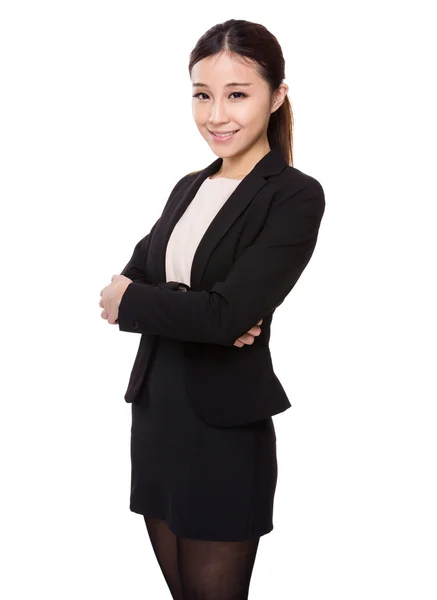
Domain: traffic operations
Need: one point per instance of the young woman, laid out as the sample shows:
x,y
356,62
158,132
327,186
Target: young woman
x,y
235,237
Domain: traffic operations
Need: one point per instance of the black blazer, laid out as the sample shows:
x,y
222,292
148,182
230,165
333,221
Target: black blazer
x,y
250,257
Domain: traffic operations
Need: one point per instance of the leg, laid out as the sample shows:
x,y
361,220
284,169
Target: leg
x,y
215,570
164,545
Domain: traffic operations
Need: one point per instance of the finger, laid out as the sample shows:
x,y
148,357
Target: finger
x,y
259,322
255,330
247,339
238,343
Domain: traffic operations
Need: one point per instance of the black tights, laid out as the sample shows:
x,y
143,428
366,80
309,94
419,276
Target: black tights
x,y
199,569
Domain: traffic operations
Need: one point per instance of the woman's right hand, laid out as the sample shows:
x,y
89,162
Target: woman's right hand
x,y
249,337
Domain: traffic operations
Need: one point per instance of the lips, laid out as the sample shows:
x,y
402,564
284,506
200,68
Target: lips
x,y
222,132
222,136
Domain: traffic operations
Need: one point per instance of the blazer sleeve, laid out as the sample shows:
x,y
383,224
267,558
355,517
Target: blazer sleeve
x,y
135,269
258,282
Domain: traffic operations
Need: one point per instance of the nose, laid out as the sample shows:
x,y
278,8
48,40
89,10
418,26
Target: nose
x,y
218,114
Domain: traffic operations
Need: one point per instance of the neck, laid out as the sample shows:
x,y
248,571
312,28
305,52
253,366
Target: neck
x,y
239,165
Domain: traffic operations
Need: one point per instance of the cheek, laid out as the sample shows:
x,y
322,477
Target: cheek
x,y
199,112
248,115
252,114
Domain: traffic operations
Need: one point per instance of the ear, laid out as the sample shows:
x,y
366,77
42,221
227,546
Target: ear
x,y
279,96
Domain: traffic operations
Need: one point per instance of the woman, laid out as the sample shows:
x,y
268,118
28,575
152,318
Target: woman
x,y
204,481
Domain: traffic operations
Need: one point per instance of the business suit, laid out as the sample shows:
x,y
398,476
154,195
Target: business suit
x,y
249,259
203,443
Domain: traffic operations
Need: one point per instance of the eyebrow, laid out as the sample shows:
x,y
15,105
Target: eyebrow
x,y
232,84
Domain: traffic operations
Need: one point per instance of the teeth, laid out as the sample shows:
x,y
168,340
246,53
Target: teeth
x,y
224,134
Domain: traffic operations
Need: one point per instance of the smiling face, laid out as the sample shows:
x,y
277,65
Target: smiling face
x,y
220,105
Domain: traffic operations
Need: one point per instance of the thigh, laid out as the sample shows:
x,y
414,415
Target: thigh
x,y
215,570
164,544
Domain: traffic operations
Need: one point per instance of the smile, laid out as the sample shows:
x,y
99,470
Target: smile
x,y
223,136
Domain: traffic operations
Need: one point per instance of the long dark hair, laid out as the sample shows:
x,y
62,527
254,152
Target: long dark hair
x,y
256,43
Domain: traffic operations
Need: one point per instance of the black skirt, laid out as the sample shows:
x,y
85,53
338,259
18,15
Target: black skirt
x,y
206,482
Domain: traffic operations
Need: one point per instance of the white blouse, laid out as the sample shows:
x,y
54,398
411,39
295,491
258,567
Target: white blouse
x,y
193,224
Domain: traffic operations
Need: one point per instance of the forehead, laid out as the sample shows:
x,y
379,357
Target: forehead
x,y
220,69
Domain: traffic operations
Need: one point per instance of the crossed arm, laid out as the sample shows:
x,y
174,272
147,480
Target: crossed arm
x,y
135,270
257,283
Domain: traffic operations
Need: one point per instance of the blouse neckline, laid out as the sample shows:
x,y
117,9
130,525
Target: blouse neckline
x,y
225,178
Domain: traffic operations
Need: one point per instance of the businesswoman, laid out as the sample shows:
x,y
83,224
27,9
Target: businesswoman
x,y
201,289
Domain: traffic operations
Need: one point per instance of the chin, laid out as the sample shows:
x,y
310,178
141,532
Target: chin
x,y
222,151
218,147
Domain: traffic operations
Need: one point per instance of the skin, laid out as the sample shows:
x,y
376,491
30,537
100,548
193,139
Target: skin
x,y
219,108
247,108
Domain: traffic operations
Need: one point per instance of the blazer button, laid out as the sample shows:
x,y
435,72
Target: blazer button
x,y
182,287
134,324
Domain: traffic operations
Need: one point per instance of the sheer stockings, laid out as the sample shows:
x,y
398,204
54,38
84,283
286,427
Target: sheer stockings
x,y
201,569
164,544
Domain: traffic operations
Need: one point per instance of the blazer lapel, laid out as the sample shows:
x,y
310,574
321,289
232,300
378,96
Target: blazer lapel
x,y
271,164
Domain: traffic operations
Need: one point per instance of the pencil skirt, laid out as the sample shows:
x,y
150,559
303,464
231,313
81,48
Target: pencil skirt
x,y
206,482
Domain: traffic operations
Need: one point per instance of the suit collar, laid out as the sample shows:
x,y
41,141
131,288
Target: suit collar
x,y
270,164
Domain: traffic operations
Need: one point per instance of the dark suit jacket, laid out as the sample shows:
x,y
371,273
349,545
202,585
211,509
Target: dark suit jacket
x,y
251,256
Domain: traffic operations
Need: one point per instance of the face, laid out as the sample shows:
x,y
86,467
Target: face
x,y
220,107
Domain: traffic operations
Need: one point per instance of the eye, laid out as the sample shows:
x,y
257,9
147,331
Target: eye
x,y
203,94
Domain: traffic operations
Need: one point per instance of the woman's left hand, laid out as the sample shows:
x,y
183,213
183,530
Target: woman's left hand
x,y
111,296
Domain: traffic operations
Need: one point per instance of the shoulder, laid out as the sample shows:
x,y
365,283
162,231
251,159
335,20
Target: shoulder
x,y
186,179
297,191
294,180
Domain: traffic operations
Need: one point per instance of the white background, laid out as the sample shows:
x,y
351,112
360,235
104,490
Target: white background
x,y
96,128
